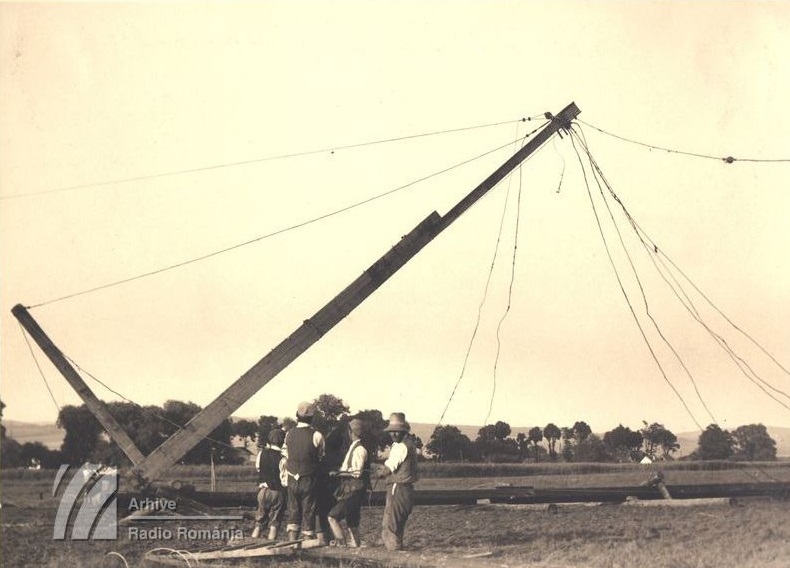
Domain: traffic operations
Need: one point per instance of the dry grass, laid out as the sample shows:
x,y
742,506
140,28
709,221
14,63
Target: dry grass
x,y
755,534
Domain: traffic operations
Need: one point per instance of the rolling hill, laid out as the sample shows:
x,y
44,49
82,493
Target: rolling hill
x,y
45,432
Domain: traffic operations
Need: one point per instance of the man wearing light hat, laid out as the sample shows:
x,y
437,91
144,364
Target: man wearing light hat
x,y
400,471
354,474
304,448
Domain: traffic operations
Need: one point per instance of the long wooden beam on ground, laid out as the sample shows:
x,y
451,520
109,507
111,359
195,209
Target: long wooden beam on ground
x,y
532,495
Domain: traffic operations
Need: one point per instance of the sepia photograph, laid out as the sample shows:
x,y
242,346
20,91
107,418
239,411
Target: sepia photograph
x,y
387,284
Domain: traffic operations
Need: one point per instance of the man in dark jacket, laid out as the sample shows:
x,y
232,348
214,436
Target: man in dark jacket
x,y
304,448
270,464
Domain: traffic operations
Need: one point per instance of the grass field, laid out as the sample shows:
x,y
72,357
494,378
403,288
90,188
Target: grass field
x,y
755,533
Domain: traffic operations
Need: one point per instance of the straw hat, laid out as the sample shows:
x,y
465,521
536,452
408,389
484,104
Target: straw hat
x,y
398,423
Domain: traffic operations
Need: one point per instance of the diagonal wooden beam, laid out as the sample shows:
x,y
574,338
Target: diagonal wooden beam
x,y
339,307
96,406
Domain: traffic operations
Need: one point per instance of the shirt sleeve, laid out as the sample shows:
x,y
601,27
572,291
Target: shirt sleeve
x,y
283,473
320,443
258,461
358,459
398,454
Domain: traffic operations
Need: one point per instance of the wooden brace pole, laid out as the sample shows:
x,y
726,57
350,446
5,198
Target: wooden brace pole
x,y
96,406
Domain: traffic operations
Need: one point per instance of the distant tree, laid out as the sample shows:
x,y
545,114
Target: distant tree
x,y
485,435
217,444
33,453
623,443
568,442
552,433
108,452
10,453
655,436
145,425
329,409
753,443
591,449
247,430
10,449
501,430
374,438
449,444
82,433
496,451
581,430
287,423
265,425
535,435
522,443
494,445
498,431
715,444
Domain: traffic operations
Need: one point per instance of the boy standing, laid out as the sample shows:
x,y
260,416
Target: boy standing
x,y
304,448
270,464
354,477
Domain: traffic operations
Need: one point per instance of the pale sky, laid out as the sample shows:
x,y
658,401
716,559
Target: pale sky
x,y
95,93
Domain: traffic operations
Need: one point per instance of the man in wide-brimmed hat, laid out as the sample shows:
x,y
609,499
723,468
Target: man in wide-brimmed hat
x,y
354,474
400,471
304,448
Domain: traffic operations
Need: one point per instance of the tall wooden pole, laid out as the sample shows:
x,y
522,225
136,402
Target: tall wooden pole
x,y
96,406
339,307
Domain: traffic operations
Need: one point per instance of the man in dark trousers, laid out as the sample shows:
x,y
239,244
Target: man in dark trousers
x,y
354,475
270,464
400,472
304,448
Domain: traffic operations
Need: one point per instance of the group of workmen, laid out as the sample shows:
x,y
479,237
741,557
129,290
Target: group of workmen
x,y
295,481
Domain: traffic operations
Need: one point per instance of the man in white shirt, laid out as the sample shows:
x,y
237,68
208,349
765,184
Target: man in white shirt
x,y
400,471
354,474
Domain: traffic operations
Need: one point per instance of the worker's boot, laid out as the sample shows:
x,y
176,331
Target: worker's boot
x,y
272,533
293,535
256,532
353,538
337,531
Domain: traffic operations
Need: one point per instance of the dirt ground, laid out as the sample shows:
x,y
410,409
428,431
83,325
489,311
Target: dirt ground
x,y
753,533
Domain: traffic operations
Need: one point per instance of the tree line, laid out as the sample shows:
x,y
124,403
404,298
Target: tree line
x,y
331,415
577,443
149,426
